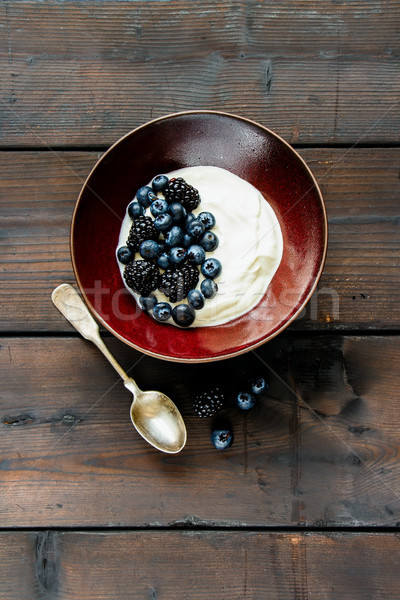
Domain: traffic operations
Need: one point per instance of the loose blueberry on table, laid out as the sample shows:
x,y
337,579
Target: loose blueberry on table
x,y
258,385
222,438
245,400
172,244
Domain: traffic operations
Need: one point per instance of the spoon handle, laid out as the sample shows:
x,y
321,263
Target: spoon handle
x,y
71,305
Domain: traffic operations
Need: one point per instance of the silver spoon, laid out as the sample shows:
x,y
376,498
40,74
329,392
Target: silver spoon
x,y
154,415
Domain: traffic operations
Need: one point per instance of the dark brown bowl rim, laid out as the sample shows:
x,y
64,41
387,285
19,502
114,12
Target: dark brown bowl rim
x,y
259,342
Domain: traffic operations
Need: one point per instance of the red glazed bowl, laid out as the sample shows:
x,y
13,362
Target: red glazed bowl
x,y
190,139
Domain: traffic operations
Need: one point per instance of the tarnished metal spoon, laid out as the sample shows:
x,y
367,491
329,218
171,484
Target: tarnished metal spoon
x,y
153,414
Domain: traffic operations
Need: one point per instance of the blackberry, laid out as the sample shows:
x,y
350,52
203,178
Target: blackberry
x,y
142,277
176,283
142,229
209,401
179,191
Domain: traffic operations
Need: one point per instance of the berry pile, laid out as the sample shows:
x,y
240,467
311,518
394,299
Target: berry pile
x,y
172,243
209,401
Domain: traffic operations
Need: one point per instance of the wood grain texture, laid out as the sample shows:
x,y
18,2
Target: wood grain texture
x,y
202,565
17,572
359,286
322,449
78,73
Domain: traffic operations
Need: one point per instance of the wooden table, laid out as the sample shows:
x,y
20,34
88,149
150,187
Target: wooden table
x,y
305,504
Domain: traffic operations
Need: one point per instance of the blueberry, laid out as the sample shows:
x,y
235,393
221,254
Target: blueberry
x,y
147,302
125,255
207,219
195,299
195,228
135,210
245,400
209,241
163,222
222,438
149,249
174,237
187,240
209,288
161,246
196,255
190,217
159,183
162,311
177,212
177,255
258,385
211,268
183,315
142,196
158,207
163,261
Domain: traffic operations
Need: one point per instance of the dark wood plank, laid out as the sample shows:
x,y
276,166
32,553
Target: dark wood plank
x,y
200,565
326,455
38,193
17,572
77,73
359,286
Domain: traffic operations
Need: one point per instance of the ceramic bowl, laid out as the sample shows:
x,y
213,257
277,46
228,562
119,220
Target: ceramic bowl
x,y
243,147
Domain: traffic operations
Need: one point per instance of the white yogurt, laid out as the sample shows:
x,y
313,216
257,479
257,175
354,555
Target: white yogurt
x,y
250,243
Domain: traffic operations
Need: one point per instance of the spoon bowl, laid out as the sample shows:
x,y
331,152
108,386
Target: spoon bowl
x,y
156,418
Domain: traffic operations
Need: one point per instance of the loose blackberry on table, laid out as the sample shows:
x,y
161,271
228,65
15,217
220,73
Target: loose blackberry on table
x,y
208,402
